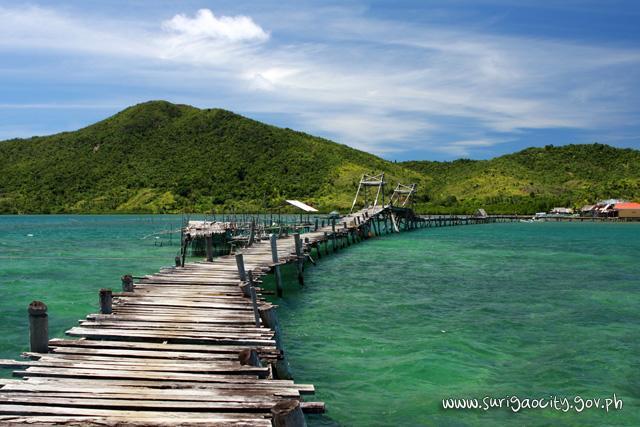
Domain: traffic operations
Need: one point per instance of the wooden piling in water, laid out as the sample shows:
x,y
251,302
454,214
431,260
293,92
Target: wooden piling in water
x,y
252,233
254,298
240,265
276,263
288,413
127,283
300,258
106,301
38,327
209,247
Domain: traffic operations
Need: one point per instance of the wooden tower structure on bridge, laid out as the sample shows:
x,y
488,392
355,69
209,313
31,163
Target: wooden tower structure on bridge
x,y
374,181
403,195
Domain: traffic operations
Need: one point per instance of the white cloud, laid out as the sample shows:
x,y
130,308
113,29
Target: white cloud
x,y
369,130
206,25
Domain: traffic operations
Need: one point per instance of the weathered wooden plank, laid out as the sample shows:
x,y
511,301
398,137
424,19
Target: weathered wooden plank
x,y
139,415
250,330
135,404
206,348
209,393
147,354
120,420
132,374
211,368
172,336
270,384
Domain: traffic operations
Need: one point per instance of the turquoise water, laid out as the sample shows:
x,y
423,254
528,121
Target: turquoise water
x,y
385,330
64,260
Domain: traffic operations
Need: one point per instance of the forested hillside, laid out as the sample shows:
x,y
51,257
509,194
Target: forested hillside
x,y
161,157
532,180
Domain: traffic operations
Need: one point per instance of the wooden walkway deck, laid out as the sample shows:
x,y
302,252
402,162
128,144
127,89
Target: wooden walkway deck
x,y
197,344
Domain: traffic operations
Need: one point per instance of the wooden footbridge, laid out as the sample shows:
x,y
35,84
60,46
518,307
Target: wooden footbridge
x,y
194,344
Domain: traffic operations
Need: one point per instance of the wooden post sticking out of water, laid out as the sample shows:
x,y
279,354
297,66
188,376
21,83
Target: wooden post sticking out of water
x,y
241,270
269,318
254,298
208,239
106,301
288,413
252,233
316,225
300,260
178,261
276,261
127,283
38,327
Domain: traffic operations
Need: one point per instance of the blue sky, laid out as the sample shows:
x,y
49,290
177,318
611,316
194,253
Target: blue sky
x,y
402,79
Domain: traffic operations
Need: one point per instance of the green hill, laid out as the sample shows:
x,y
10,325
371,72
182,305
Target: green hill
x,y
161,157
532,180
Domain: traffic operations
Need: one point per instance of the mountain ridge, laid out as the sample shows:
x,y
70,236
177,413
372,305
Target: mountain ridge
x,y
160,157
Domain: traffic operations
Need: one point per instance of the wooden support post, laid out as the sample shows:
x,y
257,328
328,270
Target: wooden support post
x,y
316,225
276,261
178,261
269,318
252,233
38,327
281,369
240,264
106,301
393,222
127,283
254,298
184,248
300,256
249,357
288,413
209,246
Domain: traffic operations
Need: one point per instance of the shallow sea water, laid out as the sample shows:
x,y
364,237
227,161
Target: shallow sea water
x,y
386,329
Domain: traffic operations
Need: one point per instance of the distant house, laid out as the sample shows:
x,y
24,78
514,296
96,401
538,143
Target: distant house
x,y
589,210
627,210
561,211
480,213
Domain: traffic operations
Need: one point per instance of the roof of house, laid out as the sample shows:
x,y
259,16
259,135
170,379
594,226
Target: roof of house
x,y
298,204
627,205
